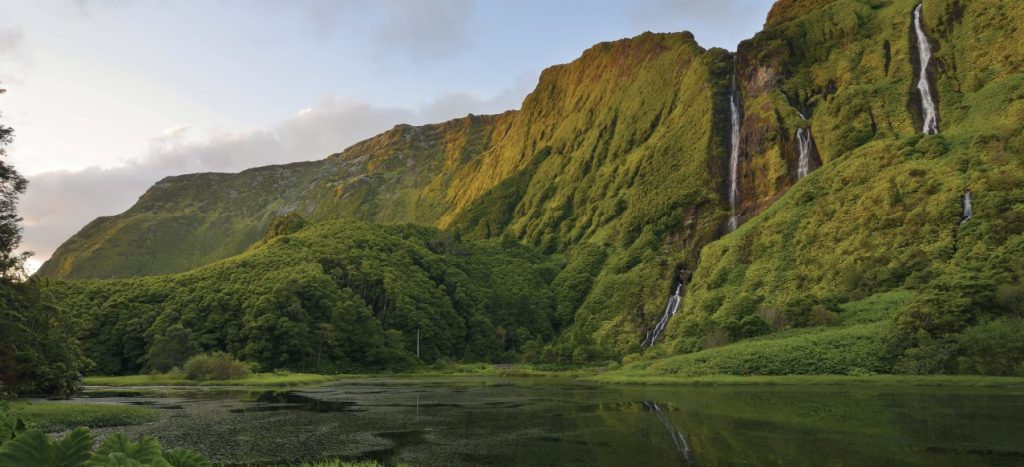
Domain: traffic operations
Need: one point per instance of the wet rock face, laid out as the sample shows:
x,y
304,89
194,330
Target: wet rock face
x,y
763,80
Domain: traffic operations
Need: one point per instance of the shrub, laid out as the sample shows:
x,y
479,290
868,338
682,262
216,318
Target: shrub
x,y
171,349
215,366
776,319
821,316
927,355
1011,298
993,348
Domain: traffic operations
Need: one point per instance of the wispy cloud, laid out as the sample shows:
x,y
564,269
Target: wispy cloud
x,y
61,202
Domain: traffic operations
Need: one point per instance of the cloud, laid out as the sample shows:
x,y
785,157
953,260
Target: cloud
x,y
11,40
426,30
12,43
60,203
418,30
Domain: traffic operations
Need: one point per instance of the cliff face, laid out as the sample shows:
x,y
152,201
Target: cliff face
x,y
188,221
884,210
619,139
617,165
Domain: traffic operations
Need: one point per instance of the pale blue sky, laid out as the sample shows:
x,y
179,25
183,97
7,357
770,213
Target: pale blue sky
x,y
108,96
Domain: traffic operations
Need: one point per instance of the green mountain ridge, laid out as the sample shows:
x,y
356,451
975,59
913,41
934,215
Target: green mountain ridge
x,y
614,174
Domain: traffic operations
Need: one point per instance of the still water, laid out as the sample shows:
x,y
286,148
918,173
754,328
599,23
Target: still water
x,y
540,421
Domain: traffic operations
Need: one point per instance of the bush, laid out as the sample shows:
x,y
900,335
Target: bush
x,y
215,366
171,349
1011,298
993,348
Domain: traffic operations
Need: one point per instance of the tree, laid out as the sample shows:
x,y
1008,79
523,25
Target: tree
x,y
37,352
172,349
12,185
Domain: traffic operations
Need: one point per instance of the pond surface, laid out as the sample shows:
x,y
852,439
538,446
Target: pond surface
x,y
541,421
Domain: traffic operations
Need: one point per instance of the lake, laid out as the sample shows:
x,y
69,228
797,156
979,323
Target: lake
x,y
551,421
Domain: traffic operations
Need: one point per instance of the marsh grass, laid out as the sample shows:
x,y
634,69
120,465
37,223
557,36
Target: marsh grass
x,y
61,416
256,379
814,380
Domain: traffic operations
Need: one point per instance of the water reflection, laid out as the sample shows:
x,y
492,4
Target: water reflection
x,y
677,437
560,422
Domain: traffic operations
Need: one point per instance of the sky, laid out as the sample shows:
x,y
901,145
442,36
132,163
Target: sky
x,y
109,96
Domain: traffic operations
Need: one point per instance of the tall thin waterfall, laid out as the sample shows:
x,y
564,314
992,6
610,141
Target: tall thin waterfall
x,y
677,437
924,53
670,311
968,206
803,140
734,154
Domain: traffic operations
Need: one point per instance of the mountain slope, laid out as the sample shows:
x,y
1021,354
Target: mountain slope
x,y
617,168
886,209
628,123
191,220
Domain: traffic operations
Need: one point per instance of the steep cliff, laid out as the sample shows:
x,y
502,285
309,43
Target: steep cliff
x,y
849,219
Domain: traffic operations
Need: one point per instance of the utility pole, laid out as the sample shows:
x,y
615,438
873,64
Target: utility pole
x,y
417,344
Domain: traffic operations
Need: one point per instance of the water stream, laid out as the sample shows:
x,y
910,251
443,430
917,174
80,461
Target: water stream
x,y
803,140
924,53
670,311
968,203
734,154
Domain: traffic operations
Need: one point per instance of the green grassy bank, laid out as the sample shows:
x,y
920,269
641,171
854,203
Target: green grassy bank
x,y
61,416
258,379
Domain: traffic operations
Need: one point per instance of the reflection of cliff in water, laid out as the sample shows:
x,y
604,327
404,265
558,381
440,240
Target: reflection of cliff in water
x,y
677,437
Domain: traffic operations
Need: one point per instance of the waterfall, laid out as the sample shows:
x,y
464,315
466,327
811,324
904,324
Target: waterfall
x,y
924,53
670,311
734,154
803,140
968,206
677,437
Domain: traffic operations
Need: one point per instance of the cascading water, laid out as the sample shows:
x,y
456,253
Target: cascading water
x,y
968,206
677,437
803,140
670,311
924,54
734,154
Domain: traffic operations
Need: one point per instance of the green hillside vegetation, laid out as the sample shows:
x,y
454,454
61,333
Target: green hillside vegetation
x,y
336,296
885,214
556,233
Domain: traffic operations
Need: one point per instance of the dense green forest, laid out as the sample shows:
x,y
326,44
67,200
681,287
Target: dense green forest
x,y
556,233
342,296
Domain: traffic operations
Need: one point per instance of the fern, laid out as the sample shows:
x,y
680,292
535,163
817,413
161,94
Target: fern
x,y
20,447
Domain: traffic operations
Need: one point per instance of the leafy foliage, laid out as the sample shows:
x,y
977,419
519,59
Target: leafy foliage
x,y
19,447
37,352
215,365
334,296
